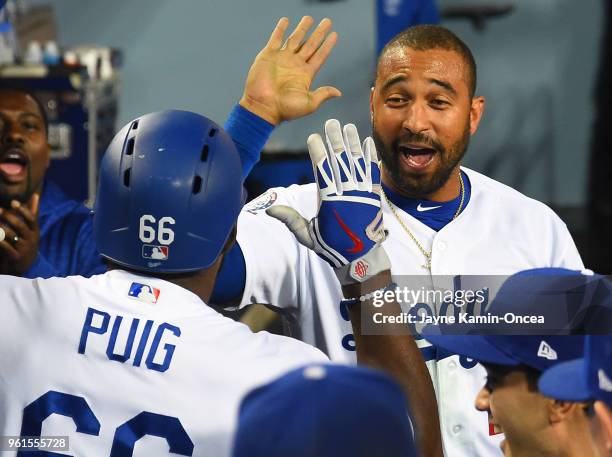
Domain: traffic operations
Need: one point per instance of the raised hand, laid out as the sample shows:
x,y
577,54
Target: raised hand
x,y
348,228
19,236
278,86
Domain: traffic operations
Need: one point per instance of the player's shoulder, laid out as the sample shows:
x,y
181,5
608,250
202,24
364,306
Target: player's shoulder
x,y
507,199
302,197
40,293
234,337
289,348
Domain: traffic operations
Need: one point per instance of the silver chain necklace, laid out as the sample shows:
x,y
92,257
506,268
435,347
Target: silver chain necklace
x,y
426,253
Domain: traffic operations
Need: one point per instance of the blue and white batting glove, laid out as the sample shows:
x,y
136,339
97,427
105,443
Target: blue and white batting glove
x,y
348,228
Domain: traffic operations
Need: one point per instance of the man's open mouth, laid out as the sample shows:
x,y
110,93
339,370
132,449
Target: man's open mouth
x,y
417,157
494,427
13,165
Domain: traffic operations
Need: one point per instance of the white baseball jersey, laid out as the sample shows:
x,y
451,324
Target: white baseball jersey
x,y
499,232
129,365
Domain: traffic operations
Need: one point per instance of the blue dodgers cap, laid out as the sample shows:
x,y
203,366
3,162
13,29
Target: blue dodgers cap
x,y
570,301
588,378
537,352
325,411
542,301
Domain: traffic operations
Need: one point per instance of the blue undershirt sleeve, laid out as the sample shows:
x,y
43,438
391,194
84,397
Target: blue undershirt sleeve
x,y
41,268
231,279
90,261
250,134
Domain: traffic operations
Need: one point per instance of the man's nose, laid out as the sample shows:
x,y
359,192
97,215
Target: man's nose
x,y
12,134
417,119
482,400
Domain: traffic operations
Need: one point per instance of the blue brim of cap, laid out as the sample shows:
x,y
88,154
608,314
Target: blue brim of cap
x,y
566,381
475,347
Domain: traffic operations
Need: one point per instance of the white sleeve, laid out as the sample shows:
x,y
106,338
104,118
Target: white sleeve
x,y
565,254
22,311
275,261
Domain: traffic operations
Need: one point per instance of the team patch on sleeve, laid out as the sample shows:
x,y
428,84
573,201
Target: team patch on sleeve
x,y
144,292
264,201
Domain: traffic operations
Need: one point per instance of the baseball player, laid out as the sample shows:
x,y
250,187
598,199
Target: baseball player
x,y
569,302
442,218
532,423
312,412
133,358
588,379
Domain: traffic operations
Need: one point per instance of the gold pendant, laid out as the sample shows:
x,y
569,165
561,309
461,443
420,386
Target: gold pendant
x,y
427,265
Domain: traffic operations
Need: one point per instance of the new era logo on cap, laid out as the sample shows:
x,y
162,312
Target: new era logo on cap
x,y
605,383
546,351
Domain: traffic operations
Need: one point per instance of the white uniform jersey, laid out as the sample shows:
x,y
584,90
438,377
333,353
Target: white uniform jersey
x,y
129,365
499,232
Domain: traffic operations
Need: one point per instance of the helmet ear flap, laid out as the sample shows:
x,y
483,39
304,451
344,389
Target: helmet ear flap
x,y
169,194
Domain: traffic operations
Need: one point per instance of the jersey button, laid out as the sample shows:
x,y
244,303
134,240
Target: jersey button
x,y
452,365
457,429
441,245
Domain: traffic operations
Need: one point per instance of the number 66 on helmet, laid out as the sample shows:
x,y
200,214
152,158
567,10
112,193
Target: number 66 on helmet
x,y
169,193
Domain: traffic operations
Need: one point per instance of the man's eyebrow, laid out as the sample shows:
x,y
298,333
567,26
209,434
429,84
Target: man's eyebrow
x,y
392,81
443,84
438,82
30,114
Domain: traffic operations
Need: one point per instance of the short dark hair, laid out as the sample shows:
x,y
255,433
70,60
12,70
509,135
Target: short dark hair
x,y
29,93
426,37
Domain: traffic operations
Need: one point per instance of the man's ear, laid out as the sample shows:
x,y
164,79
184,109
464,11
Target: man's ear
x,y
231,239
372,103
559,410
476,111
47,152
604,415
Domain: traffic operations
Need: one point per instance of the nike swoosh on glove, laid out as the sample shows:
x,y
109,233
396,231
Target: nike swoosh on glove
x,y
348,228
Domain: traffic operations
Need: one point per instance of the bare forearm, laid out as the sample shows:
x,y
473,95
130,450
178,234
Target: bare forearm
x,y
394,351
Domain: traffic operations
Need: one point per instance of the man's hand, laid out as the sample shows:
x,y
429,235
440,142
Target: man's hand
x,y
348,228
19,246
278,84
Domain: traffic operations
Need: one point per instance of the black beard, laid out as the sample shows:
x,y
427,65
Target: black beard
x,y
5,200
418,185
23,197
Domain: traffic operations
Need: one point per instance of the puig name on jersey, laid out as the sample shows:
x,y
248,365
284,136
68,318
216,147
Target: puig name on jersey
x,y
156,358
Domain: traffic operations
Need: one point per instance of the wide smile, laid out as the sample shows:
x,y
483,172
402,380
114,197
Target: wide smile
x,y
417,158
13,166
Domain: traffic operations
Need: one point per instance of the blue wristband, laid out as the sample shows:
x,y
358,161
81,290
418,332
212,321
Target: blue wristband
x,y
250,134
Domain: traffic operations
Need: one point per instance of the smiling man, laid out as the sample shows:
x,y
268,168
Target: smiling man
x,y
423,113
443,220
588,379
534,425
43,232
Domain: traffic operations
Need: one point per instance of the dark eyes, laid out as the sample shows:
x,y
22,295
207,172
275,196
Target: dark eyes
x,y
493,382
396,100
30,125
436,103
439,103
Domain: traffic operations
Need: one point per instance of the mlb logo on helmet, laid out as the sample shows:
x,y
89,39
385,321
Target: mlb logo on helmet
x,y
144,292
150,251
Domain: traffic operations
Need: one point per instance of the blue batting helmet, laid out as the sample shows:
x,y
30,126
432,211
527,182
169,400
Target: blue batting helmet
x,y
169,194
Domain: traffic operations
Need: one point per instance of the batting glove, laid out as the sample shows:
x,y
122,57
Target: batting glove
x,y
348,228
